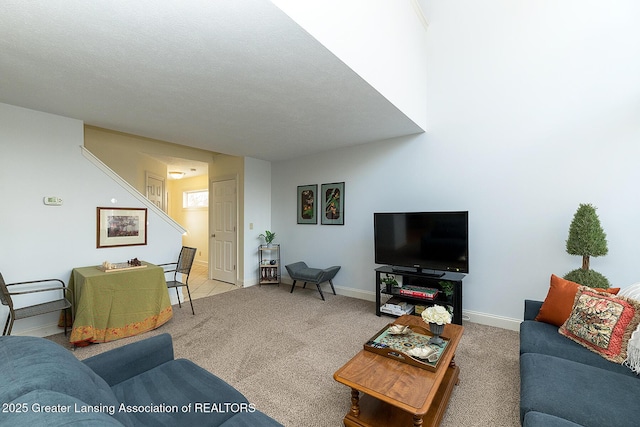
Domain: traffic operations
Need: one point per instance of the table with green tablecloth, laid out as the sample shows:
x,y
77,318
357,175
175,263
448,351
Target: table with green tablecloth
x,y
111,305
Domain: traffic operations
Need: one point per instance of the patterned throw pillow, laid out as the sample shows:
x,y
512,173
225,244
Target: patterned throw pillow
x,y
602,323
557,306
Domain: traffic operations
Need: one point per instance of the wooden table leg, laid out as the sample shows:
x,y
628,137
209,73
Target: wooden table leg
x,y
453,365
417,421
355,402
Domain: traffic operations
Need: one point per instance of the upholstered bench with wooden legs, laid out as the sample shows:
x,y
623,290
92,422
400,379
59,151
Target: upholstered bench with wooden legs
x,y
300,271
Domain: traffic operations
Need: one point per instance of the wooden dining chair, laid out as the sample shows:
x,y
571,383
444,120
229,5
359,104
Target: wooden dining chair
x,y
33,287
183,266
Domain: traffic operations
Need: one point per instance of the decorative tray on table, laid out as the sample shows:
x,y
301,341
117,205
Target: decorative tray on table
x,y
109,267
408,344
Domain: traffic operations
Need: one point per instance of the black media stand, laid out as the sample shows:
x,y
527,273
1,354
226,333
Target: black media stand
x,y
422,279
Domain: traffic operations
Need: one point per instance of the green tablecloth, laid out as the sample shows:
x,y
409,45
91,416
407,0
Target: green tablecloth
x,y
114,305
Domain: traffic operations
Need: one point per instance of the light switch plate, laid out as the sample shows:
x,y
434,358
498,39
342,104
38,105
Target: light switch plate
x,y
52,201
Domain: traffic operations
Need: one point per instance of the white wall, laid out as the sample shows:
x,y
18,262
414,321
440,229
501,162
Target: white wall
x,y
533,109
257,214
383,41
41,156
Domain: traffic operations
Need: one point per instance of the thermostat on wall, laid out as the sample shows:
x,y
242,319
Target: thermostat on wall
x,y
52,201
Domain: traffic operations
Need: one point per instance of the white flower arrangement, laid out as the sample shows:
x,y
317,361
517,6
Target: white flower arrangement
x,y
436,314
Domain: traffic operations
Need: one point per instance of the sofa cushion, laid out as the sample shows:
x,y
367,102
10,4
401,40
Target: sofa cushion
x,y
602,323
51,409
543,338
174,385
579,393
30,363
132,359
531,309
557,306
538,419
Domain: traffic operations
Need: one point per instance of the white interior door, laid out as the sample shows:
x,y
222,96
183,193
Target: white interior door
x,y
155,190
224,234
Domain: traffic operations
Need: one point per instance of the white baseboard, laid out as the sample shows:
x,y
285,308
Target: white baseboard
x,y
355,293
347,292
247,283
491,320
42,331
467,315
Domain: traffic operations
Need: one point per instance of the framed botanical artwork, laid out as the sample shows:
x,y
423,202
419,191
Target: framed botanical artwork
x,y
332,203
307,199
121,227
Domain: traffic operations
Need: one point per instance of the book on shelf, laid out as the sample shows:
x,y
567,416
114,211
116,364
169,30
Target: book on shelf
x,y
396,303
419,292
397,307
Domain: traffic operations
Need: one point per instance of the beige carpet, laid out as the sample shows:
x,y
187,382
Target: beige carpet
x,y
281,350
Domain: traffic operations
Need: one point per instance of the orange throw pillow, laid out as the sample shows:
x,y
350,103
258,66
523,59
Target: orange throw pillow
x,y
557,306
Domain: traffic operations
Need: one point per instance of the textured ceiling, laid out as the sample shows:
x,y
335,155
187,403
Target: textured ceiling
x,y
237,77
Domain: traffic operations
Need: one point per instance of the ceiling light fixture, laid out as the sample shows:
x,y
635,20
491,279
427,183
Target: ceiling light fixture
x,y
176,174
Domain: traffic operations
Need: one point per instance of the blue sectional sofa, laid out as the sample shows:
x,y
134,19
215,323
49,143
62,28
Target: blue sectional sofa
x,y
139,384
563,384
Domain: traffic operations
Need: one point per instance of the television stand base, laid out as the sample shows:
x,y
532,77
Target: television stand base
x,y
433,274
448,284
401,270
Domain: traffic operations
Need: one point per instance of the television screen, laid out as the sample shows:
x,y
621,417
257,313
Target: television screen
x,y
423,240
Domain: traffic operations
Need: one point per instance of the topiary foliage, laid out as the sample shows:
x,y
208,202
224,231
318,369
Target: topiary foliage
x,y
588,278
587,238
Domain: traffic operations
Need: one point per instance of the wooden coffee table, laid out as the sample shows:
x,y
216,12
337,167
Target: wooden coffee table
x,y
396,393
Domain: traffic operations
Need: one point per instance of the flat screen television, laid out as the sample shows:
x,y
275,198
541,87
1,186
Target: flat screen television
x,y
436,241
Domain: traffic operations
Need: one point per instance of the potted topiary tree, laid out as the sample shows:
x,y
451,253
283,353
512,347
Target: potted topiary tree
x,y
587,238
